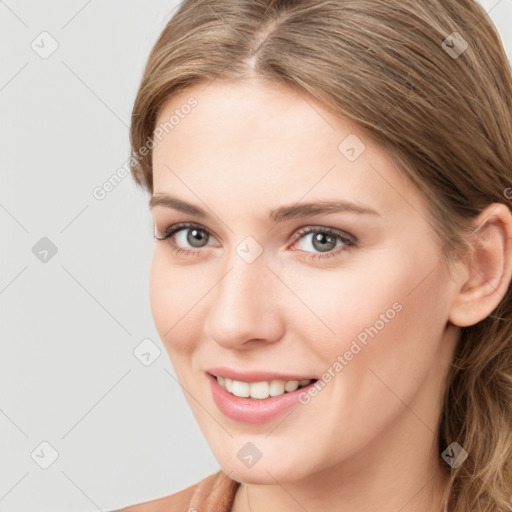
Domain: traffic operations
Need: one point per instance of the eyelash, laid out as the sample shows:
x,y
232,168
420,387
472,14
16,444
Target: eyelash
x,y
348,241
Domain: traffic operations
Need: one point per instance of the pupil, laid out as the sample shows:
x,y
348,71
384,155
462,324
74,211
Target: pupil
x,y
194,237
324,238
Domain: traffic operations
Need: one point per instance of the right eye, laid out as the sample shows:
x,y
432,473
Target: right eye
x,y
185,233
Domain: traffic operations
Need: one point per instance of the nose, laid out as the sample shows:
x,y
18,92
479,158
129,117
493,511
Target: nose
x,y
245,305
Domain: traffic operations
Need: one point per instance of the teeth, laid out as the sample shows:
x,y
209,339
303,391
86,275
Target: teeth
x,y
240,389
260,390
276,387
291,385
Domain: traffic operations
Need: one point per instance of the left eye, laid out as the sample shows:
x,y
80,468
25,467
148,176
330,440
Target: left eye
x,y
322,239
325,240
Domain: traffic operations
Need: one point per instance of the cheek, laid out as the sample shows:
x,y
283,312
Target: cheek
x,y
385,361
171,299
386,317
179,302
396,329
351,302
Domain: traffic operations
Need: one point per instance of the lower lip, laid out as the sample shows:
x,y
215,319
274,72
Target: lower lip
x,y
253,410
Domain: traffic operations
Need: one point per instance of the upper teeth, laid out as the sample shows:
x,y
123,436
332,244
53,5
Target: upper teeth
x,y
260,390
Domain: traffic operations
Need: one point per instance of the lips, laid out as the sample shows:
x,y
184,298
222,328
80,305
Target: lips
x,y
250,410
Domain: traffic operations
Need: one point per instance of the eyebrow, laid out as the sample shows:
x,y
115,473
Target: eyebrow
x,y
280,214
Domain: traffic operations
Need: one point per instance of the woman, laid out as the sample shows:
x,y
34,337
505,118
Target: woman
x,y
374,373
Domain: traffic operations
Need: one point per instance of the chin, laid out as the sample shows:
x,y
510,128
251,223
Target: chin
x,y
268,469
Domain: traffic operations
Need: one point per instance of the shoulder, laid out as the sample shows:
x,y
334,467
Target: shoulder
x,y
215,493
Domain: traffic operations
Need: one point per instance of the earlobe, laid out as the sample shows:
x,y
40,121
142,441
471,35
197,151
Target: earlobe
x,y
488,270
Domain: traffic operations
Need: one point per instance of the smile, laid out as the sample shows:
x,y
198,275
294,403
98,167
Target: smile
x,y
260,390
263,406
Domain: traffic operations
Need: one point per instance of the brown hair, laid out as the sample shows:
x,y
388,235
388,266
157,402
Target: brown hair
x,y
394,68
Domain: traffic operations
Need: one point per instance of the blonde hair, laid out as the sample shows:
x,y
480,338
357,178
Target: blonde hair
x,y
394,68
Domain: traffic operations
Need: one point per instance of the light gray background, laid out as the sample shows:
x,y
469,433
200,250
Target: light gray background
x,y
123,431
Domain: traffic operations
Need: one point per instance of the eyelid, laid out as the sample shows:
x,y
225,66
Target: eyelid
x,y
180,226
325,229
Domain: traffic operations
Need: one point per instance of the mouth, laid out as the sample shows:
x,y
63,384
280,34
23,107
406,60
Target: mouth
x,y
261,401
261,390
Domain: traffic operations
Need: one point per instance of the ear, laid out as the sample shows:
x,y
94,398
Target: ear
x,y
487,270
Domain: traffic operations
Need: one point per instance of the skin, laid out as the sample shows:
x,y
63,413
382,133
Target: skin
x,y
367,441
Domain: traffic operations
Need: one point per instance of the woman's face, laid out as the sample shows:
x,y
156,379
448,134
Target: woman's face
x,y
360,302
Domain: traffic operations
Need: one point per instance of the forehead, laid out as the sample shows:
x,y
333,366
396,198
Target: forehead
x,y
258,139
248,111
